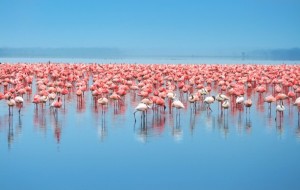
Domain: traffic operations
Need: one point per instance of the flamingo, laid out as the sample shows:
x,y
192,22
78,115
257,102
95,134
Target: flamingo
x,y
209,100
178,105
19,102
297,102
79,94
142,107
279,108
225,104
160,102
56,104
269,99
36,100
248,104
147,101
103,102
203,92
281,97
193,98
51,97
221,98
116,98
171,96
11,103
239,100
43,100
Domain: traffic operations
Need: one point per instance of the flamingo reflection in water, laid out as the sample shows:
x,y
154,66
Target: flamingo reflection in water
x,y
57,131
102,131
10,135
103,101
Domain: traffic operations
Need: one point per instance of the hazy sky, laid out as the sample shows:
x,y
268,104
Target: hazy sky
x,y
162,24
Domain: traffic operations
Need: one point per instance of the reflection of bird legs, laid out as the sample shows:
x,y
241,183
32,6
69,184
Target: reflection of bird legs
x,y
208,107
192,122
177,116
10,136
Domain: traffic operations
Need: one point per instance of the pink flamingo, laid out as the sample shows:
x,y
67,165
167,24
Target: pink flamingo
x,y
56,104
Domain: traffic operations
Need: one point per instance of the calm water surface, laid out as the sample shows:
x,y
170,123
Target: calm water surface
x,y
86,149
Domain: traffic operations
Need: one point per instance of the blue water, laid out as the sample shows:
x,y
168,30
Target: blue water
x,y
85,149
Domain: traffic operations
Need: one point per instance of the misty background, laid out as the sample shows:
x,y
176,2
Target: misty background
x,y
116,53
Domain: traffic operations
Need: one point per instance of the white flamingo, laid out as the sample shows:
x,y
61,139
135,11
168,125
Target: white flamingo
x,y
11,103
142,107
19,102
209,100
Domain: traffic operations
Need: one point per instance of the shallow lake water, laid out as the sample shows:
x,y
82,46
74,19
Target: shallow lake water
x,y
85,147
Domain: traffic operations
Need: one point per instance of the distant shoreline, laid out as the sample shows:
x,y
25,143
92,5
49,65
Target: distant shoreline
x,y
292,54
147,60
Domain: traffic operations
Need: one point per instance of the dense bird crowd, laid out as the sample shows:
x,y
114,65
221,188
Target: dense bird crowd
x,y
159,85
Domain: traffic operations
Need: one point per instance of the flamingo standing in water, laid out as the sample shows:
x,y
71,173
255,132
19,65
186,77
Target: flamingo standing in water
x,y
248,104
178,105
281,97
56,104
79,94
142,107
239,100
225,104
279,108
193,98
209,100
11,103
171,97
103,102
270,99
19,102
51,97
221,98
36,100
297,102
203,92
64,92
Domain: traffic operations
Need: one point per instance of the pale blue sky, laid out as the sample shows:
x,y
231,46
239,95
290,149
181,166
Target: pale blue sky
x,y
151,24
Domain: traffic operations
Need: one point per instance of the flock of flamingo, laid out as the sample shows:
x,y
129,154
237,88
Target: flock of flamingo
x,y
159,86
